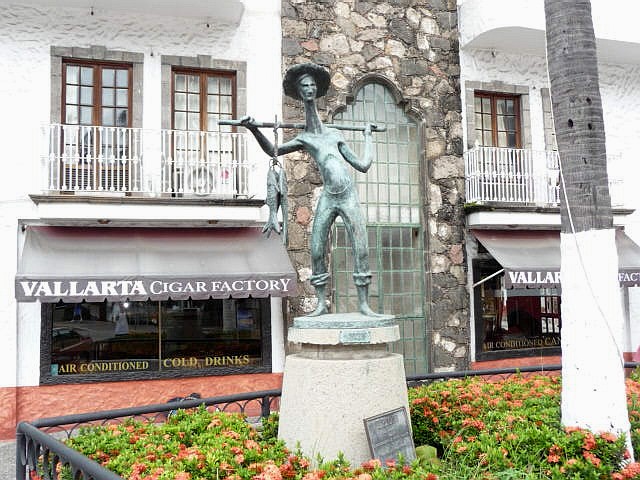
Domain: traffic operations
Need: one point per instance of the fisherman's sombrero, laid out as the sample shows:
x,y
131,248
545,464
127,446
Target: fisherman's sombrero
x,y
319,74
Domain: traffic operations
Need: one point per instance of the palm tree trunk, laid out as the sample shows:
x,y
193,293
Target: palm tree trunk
x,y
593,394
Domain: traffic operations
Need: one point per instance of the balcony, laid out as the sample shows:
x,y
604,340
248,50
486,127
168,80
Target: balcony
x,y
114,161
518,26
523,177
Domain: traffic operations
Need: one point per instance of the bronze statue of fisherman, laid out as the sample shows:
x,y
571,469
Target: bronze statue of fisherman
x,y
327,146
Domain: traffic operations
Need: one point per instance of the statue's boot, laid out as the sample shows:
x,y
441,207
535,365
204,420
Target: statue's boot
x,y
321,309
363,301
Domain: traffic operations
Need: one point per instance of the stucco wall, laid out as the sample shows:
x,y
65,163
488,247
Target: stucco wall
x,y
620,91
27,34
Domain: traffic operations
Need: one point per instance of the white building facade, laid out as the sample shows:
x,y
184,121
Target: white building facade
x,y
128,213
513,174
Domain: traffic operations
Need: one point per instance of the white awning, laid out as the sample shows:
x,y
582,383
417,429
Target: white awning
x,y
94,264
531,258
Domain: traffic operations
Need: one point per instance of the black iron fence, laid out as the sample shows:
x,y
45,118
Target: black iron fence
x,y
40,448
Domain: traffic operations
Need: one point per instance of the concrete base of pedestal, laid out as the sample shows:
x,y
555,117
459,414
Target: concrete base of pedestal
x,y
328,391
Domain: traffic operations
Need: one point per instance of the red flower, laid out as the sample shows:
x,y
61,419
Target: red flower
x,y
138,467
589,442
252,445
34,475
372,464
551,458
608,436
595,461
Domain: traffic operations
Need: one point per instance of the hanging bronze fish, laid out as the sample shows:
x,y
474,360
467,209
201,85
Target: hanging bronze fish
x,y
273,201
276,192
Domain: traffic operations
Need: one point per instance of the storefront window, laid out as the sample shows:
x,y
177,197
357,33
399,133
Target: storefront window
x,y
210,336
514,322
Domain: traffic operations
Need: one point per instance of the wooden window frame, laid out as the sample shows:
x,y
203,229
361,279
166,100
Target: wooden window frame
x,y
494,97
98,65
203,73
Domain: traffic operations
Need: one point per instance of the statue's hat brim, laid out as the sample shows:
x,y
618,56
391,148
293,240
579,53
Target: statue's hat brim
x,y
319,74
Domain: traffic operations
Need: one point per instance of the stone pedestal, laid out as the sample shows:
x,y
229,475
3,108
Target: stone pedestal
x,y
342,375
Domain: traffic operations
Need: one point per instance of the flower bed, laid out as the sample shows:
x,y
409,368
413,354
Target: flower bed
x,y
482,430
198,444
511,429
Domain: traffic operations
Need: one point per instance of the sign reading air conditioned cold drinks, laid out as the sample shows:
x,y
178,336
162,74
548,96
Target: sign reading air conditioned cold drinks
x,y
53,289
173,363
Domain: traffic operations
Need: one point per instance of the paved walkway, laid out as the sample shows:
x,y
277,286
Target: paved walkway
x,y
7,460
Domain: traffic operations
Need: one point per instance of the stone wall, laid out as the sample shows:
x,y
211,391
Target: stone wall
x,y
413,44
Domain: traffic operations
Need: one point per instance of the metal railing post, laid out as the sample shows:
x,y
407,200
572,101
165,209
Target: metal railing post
x,y
21,473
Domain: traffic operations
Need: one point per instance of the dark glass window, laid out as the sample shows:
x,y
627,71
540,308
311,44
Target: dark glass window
x,y
516,322
117,337
201,98
96,139
390,193
96,93
497,120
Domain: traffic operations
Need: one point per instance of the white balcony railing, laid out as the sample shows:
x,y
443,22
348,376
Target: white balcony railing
x,y
129,161
510,175
204,163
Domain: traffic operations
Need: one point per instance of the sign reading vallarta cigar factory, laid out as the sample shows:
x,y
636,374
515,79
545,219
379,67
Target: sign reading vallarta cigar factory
x,y
53,290
551,278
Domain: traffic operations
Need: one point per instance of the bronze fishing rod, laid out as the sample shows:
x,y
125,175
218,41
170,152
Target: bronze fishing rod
x,y
301,126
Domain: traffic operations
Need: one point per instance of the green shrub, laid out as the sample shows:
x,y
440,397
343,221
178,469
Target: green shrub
x,y
508,429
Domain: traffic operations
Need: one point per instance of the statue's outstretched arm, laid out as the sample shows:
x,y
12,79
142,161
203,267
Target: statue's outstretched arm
x,y
361,164
265,143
